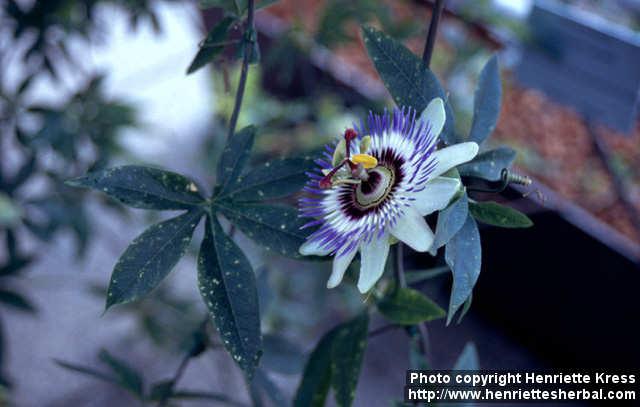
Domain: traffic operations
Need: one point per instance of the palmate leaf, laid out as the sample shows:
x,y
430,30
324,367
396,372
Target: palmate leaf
x,y
347,354
275,227
143,187
213,45
272,180
408,80
486,103
150,258
492,213
228,286
234,158
406,306
463,255
489,164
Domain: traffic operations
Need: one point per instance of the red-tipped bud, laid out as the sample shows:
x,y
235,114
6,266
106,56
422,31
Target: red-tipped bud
x,y
350,134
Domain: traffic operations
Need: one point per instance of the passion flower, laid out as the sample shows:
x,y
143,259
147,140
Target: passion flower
x,y
376,183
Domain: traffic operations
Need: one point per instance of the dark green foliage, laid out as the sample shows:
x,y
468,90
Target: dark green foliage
x,y
489,164
406,306
272,180
228,286
409,81
492,213
347,353
316,379
236,8
335,362
234,158
15,300
463,254
212,45
275,227
143,187
150,258
127,377
450,220
486,103
121,374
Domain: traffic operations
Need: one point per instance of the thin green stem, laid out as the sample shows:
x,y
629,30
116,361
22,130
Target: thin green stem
x,y
432,33
399,264
182,367
248,53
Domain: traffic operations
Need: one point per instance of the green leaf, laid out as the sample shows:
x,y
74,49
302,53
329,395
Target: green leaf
x,y
450,221
87,371
316,379
150,258
409,81
231,6
272,180
465,308
274,227
234,158
143,187
281,355
468,359
16,300
489,164
406,306
486,103
212,46
492,213
417,276
127,377
463,254
346,358
228,286
235,7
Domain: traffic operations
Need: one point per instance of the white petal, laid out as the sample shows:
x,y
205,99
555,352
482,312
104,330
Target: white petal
x,y
436,195
373,259
412,229
449,157
313,248
435,115
340,264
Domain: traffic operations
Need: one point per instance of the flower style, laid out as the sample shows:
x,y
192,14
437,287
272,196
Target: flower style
x,y
360,201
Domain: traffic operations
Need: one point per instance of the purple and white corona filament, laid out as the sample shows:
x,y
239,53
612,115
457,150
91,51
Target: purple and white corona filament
x,y
378,183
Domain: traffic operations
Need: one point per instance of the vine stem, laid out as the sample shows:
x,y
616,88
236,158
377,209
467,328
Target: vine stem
x,y
247,54
399,263
433,30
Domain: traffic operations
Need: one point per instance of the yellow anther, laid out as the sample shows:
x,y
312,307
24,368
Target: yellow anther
x,y
366,160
